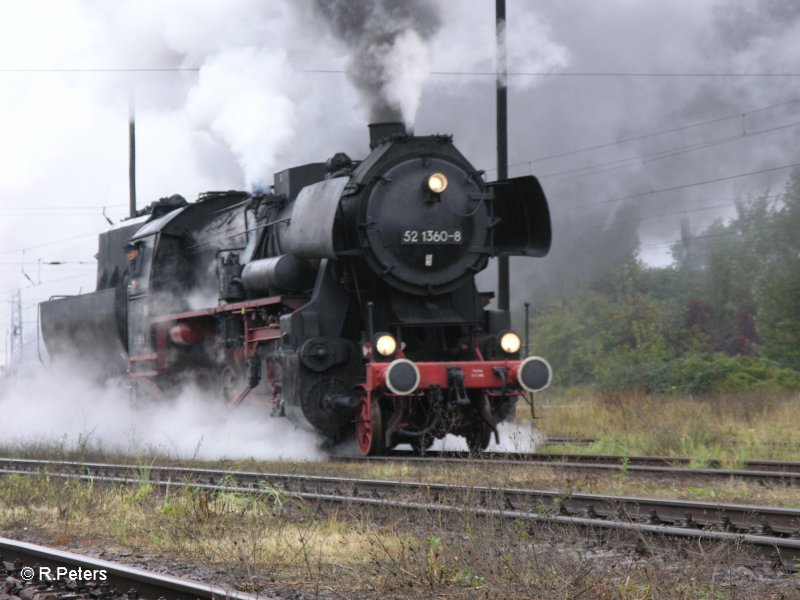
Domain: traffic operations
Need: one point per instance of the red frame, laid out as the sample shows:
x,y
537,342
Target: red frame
x,y
258,327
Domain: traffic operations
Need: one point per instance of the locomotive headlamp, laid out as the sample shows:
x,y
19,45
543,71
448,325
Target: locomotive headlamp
x,y
437,183
509,342
385,344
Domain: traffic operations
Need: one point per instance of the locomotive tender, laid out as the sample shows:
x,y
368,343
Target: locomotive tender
x,y
344,297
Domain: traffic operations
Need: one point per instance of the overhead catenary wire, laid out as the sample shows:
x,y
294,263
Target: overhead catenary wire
x,y
52,281
69,206
49,263
704,236
615,74
102,70
484,73
642,159
685,186
686,211
51,243
490,73
657,133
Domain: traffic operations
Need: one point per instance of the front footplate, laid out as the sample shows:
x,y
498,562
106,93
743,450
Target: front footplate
x,y
403,377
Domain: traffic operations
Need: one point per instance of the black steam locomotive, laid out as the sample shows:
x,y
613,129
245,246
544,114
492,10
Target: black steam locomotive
x,y
344,298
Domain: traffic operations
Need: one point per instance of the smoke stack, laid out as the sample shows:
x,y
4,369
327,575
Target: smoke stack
x,y
380,132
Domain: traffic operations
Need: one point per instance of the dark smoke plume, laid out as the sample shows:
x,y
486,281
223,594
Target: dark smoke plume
x,y
388,44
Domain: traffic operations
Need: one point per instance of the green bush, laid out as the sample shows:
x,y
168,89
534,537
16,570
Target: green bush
x,y
699,374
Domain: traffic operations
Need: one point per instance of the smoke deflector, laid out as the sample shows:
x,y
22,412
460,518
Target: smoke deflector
x,y
523,218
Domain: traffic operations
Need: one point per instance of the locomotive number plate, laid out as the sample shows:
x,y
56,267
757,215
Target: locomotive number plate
x,y
431,236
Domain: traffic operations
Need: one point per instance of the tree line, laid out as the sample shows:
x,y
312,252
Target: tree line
x,y
725,315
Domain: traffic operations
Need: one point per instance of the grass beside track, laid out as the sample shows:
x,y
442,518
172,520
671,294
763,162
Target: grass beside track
x,y
730,428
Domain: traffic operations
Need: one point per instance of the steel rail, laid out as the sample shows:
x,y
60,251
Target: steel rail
x,y
610,459
774,471
651,461
17,555
569,441
780,525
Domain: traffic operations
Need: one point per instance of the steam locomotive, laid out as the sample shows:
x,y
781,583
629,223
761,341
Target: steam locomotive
x,y
344,297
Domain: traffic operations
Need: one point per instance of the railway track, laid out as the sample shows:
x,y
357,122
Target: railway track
x,y
607,459
764,472
31,572
551,441
662,461
776,530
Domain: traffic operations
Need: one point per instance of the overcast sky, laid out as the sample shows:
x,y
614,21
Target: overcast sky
x,y
652,112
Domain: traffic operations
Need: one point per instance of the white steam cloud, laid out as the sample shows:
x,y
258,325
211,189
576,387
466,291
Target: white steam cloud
x,y
408,62
56,408
515,437
233,99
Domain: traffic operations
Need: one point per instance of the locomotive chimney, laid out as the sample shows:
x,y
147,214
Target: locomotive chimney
x,y
378,132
